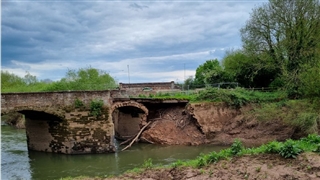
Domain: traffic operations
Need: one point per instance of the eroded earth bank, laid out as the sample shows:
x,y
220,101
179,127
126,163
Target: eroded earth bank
x,y
200,123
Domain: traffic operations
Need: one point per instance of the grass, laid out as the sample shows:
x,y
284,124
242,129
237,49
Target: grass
x,y
233,97
288,149
301,114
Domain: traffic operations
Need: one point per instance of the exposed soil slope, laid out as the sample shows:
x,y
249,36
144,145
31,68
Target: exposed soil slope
x,y
201,123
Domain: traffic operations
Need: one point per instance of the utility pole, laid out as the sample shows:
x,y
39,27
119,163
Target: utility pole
x,y
128,75
184,75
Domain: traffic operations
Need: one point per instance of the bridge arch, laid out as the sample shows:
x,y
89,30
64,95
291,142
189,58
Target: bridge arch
x,y
128,118
42,127
42,110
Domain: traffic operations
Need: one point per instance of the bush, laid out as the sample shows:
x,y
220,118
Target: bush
x,y
238,97
78,103
96,107
236,147
290,149
147,163
273,147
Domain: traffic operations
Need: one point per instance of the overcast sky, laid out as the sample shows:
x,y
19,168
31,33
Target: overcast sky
x,y
159,41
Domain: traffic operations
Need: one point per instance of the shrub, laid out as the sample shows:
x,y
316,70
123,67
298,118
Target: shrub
x,y
96,107
147,163
213,157
290,149
236,147
273,147
312,138
307,122
78,103
201,161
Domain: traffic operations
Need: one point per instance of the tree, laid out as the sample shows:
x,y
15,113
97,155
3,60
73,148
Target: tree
x,y
10,81
210,66
189,83
84,79
248,71
30,79
286,33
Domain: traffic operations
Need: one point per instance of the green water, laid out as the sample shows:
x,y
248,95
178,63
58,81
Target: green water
x,y
18,163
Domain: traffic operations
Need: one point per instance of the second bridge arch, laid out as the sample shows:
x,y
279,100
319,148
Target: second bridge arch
x,y
128,118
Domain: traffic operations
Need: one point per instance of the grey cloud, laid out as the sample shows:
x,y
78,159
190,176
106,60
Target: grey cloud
x,y
90,33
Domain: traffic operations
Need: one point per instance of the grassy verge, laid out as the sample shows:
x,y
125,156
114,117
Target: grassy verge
x,y
233,97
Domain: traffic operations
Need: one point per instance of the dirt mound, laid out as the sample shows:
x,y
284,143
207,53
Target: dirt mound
x,y
213,123
173,126
266,166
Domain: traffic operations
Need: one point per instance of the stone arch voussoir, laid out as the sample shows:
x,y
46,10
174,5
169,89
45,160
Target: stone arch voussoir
x,y
130,103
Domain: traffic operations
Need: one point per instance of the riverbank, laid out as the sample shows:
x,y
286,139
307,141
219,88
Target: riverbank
x,y
264,166
291,159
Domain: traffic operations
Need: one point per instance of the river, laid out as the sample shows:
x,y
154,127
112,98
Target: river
x,y
18,163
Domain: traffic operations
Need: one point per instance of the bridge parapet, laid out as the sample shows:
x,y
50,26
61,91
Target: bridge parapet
x,y
47,100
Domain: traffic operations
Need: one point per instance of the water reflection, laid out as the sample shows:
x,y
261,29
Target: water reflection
x,y
18,163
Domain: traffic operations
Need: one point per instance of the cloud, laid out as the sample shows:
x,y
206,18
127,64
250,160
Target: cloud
x,y
157,39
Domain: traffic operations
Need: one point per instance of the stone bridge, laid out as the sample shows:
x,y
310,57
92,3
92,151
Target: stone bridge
x,y
65,122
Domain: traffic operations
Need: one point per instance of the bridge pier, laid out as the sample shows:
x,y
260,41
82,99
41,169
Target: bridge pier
x,y
78,133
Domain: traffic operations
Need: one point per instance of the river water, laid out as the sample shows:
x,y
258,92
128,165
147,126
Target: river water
x,y
18,163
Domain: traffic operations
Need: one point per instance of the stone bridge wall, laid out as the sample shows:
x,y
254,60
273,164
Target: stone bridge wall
x,y
54,124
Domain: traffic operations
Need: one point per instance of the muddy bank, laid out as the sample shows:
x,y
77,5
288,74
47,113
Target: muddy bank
x,y
263,166
200,123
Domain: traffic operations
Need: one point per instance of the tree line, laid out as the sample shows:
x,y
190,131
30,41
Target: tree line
x,y
280,49
82,79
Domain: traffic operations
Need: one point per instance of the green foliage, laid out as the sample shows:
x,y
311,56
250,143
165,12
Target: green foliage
x,y
177,164
238,97
247,70
236,147
273,147
147,164
96,107
13,83
307,122
290,149
189,83
303,114
78,103
283,35
312,138
310,80
287,149
204,69
201,161
84,79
